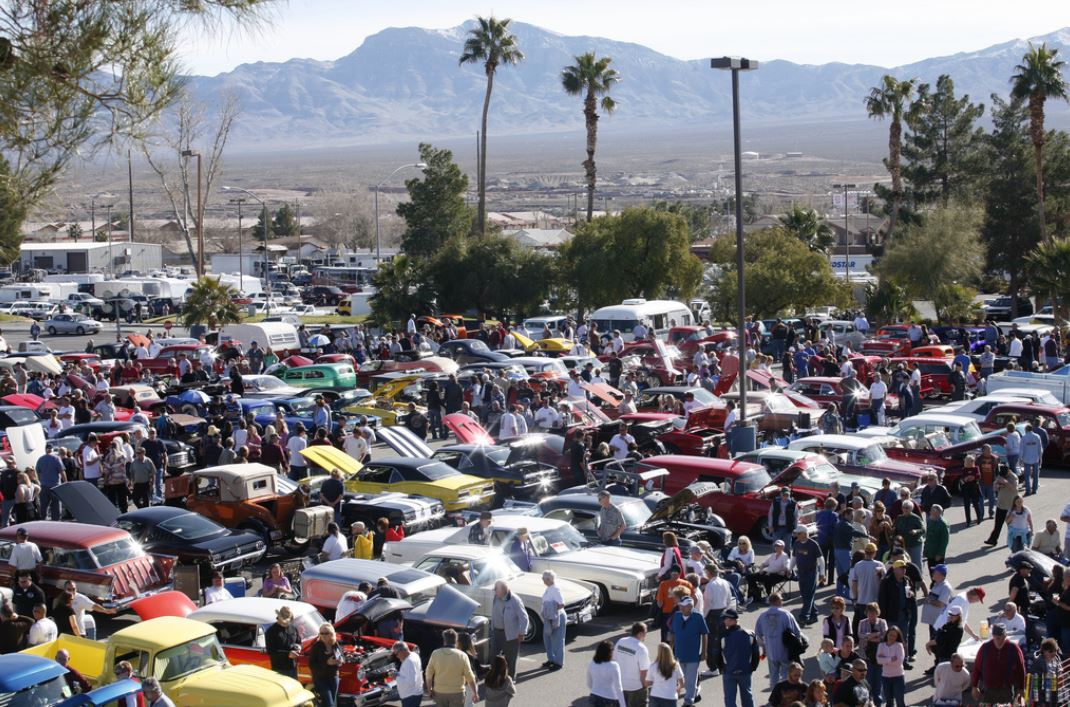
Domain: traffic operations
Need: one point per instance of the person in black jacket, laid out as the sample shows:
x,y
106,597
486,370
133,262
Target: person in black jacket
x,y
934,493
283,644
324,658
435,404
738,658
453,395
945,642
26,594
783,514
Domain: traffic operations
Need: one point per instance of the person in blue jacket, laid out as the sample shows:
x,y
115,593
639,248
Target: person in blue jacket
x,y
739,658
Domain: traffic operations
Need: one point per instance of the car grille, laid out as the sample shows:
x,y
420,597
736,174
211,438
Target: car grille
x,y
578,606
178,459
807,511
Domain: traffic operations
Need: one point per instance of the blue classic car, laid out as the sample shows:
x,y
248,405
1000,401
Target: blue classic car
x,y
108,694
296,410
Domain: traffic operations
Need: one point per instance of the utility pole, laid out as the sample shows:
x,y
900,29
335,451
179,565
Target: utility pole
x,y
130,192
200,213
241,256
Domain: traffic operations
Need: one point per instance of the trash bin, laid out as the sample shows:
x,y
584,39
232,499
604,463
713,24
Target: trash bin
x,y
742,438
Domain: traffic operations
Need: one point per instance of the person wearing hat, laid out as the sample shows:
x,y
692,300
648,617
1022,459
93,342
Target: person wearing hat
x,y
945,640
807,563
295,445
864,581
783,516
283,643
690,638
998,673
769,572
854,690
738,656
961,603
895,595
938,598
478,531
410,675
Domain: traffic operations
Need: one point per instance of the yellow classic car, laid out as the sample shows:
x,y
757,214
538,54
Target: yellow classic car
x,y
388,401
411,475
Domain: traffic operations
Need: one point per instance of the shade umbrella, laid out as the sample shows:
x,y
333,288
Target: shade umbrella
x,y
319,340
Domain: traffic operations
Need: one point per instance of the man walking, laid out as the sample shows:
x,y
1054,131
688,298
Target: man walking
x,y
632,656
509,621
1032,451
689,641
864,580
808,564
998,673
448,672
783,514
410,676
770,629
717,597
738,656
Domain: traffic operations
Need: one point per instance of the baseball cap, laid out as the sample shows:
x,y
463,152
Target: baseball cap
x,y
802,530
942,569
730,614
686,601
980,592
899,563
954,611
999,630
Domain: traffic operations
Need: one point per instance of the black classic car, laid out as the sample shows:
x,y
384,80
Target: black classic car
x,y
180,456
166,530
647,517
513,466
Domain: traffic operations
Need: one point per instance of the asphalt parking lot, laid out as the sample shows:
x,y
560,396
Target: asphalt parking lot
x,y
971,564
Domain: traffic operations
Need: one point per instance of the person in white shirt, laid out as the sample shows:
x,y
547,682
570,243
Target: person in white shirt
x,y
950,680
690,403
640,331
878,391
216,592
25,555
621,442
627,405
43,629
847,369
296,443
207,358
410,675
632,656
355,445
512,424
731,418
579,349
575,389
861,323
54,425
141,352
80,604
596,377
581,332
701,359
154,349
139,417
770,572
91,460
617,342
509,342
546,418
102,384
1013,621
662,686
335,544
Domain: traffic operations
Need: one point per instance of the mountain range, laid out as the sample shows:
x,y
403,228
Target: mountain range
x,y
405,83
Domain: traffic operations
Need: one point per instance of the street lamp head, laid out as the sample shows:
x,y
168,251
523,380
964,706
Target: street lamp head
x,y
420,165
190,153
734,63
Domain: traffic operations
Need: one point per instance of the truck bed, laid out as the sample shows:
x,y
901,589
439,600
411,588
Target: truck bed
x,y
87,657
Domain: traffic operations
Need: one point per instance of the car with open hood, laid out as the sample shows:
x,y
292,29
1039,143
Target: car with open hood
x,y
623,575
810,473
862,456
474,569
168,530
415,475
106,563
427,604
366,675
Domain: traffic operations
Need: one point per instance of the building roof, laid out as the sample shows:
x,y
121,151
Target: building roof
x,y
80,245
539,237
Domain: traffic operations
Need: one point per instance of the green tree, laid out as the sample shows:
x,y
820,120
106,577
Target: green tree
x,y
285,223
782,275
1049,268
74,232
1009,229
888,302
12,213
941,151
591,77
76,76
491,44
435,212
401,289
210,302
937,259
807,226
641,252
501,278
1038,78
699,216
888,100
264,224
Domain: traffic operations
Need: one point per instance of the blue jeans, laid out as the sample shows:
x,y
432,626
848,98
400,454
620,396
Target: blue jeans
x,y
876,411
413,701
661,702
49,504
808,587
327,689
1018,533
741,682
690,681
1012,462
874,677
843,566
894,690
989,494
915,554
1031,477
778,670
159,482
553,639
5,510
434,421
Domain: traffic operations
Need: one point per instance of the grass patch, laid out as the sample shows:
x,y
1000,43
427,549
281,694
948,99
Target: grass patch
x,y
15,319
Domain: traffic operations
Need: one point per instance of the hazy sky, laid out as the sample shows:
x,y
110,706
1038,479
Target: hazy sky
x,y
807,31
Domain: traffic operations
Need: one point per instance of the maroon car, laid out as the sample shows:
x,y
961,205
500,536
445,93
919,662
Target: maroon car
x,y
108,566
1054,419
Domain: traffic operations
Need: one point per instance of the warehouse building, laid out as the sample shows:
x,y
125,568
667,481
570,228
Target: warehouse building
x,y
91,257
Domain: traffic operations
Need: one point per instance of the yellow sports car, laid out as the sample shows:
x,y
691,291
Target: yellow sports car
x,y
412,475
389,401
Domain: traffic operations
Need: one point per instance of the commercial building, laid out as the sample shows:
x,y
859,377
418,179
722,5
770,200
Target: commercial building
x,y
87,257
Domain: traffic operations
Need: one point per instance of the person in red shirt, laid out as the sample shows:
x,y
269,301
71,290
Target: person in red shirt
x,y
998,674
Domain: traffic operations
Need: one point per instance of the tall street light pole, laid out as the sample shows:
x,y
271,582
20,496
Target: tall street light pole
x,y
241,258
846,231
378,250
200,213
109,198
735,65
267,225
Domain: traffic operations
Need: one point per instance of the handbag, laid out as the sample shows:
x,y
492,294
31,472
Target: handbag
x,y
795,643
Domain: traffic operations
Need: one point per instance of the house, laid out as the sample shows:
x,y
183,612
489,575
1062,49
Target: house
x,y
539,238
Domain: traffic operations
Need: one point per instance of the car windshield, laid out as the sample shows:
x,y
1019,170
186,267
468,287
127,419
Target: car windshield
x,y
266,383
436,471
1063,418
190,527
557,541
873,454
116,551
487,571
22,416
778,404
498,456
823,473
704,397
188,658
51,692
477,346
636,513
301,405
266,409
751,481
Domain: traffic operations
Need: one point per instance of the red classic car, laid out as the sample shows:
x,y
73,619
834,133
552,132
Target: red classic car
x,y
167,360
935,374
367,673
746,491
826,389
90,359
376,367
30,402
891,340
660,363
1054,419
109,567
935,450
682,437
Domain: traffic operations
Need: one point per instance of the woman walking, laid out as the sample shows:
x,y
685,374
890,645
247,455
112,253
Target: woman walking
x,y
553,622
324,657
1019,526
603,678
500,688
665,678
115,478
890,656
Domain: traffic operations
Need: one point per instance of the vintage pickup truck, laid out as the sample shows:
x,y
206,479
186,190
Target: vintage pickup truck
x,y
187,659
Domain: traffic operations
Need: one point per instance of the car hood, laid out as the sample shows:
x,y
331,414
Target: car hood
x,y
222,543
404,442
448,608
327,457
611,559
248,685
169,603
467,430
86,503
681,499
530,588
897,465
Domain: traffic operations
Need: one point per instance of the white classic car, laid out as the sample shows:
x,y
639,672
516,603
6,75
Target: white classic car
x,y
474,569
620,575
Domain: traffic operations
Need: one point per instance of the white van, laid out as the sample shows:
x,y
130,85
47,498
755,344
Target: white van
x,y
659,315
533,327
281,337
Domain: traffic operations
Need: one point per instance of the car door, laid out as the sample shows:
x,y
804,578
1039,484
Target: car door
x,y
374,478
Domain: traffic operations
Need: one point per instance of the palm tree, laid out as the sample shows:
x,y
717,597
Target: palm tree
x,y
1038,78
807,226
210,302
591,77
887,101
492,44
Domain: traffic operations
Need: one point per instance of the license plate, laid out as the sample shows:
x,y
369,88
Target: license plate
x,y
584,617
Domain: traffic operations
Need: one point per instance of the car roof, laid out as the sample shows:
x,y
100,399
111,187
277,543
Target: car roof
x,y
19,671
587,500
939,419
846,441
818,379
155,514
532,523
781,453
695,462
174,629
260,610
235,470
65,534
1030,406
468,552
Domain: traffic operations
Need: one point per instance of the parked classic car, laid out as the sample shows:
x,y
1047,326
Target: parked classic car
x,y
958,429
180,456
863,456
428,605
185,656
367,673
891,340
622,575
473,570
513,466
743,495
339,376
108,565
1054,419
465,351
810,473
420,476
247,497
